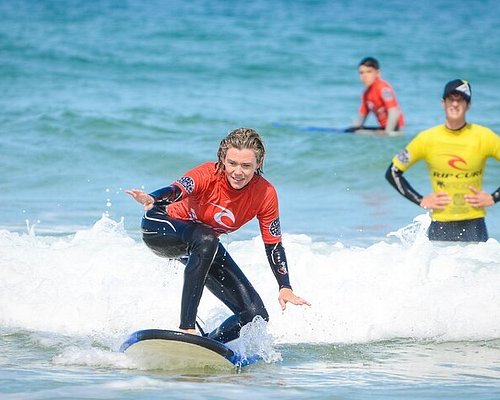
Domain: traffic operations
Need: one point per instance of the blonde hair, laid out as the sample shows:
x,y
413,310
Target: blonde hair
x,y
242,138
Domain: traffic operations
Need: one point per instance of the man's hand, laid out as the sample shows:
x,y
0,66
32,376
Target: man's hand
x,y
479,199
435,201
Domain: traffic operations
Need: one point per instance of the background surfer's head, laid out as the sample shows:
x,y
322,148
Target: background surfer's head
x,y
242,138
369,71
369,62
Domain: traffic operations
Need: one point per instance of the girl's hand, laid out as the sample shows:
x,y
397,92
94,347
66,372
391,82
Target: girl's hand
x,y
286,295
142,197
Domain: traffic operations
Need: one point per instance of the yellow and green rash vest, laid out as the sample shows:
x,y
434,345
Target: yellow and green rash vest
x,y
455,160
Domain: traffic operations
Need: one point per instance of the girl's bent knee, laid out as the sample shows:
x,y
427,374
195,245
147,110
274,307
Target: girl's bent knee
x,y
204,242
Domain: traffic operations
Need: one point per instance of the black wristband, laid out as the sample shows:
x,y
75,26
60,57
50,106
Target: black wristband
x,y
496,195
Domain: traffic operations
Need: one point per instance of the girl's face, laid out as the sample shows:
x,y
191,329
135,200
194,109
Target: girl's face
x,y
240,167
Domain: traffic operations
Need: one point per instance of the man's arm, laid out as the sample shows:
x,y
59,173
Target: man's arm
x,y
395,177
358,124
392,120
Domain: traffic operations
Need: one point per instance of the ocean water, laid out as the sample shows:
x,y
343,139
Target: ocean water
x,y
100,97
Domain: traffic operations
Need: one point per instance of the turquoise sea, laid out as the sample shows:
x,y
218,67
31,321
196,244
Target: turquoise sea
x,y
103,96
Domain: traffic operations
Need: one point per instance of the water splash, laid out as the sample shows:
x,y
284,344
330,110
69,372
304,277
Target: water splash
x,y
256,340
416,232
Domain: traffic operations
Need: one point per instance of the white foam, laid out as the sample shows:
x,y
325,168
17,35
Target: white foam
x,y
102,283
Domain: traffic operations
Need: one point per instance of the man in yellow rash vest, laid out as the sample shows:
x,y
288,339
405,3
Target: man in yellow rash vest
x,y
455,154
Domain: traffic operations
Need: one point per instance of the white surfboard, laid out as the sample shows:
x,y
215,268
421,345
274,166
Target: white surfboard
x,y
173,350
377,132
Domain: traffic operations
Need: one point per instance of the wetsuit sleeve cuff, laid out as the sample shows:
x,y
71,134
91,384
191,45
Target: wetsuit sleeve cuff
x,y
496,195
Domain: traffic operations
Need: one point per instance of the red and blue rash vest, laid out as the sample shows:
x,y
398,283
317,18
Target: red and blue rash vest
x,y
378,98
207,197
